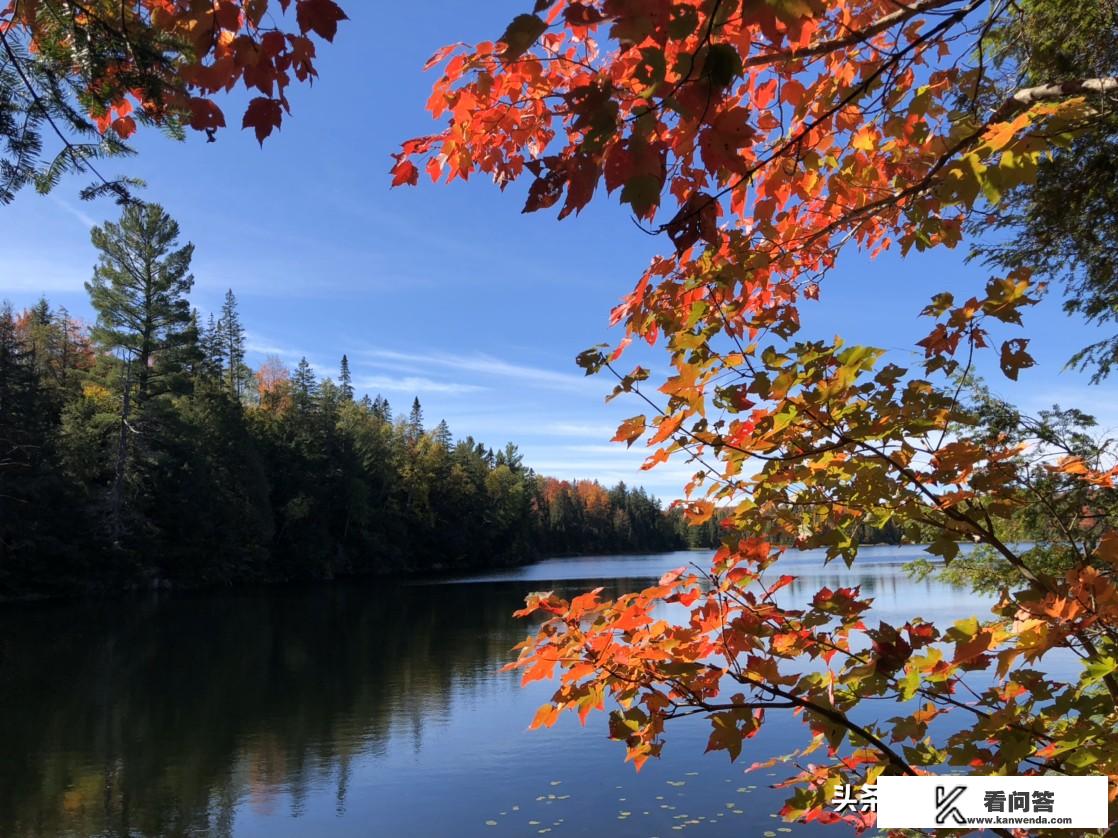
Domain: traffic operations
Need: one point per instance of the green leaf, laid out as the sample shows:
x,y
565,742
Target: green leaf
x,y
642,193
1096,670
945,546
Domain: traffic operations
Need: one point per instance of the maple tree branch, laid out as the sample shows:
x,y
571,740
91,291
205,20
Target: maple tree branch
x,y
704,707
852,39
794,141
838,718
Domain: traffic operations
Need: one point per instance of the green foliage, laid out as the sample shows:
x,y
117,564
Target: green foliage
x,y
1064,225
35,99
294,479
1056,519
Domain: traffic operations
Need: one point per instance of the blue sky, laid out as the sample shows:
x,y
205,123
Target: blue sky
x,y
448,293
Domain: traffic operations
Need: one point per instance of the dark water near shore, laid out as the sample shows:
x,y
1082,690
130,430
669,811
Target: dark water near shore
x,y
363,709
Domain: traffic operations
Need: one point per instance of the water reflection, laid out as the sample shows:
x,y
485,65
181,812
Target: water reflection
x,y
346,709
144,715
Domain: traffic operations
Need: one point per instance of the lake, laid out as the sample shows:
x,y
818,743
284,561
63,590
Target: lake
x,y
369,708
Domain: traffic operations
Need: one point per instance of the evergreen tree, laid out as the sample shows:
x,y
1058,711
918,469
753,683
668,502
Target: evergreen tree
x,y
231,337
138,290
382,409
16,383
414,426
210,346
304,385
302,483
345,380
441,435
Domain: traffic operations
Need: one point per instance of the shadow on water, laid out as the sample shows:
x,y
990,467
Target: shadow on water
x,y
346,709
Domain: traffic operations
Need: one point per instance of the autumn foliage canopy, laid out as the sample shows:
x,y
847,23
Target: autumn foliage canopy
x,y
760,138
86,75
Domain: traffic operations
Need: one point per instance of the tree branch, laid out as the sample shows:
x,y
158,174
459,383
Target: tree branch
x,y
1026,97
824,47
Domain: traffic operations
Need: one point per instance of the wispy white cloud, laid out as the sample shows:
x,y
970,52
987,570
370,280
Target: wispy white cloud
x,y
482,365
412,384
263,346
34,275
578,429
87,220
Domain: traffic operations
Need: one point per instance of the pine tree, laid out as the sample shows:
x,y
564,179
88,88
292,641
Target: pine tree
x,y
210,345
232,340
414,427
442,436
304,385
16,382
382,409
345,380
139,289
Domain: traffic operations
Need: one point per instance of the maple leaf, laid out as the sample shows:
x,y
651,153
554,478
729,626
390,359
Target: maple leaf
x,y
520,35
1014,358
405,172
319,16
1107,549
262,115
721,140
726,733
580,14
630,431
204,114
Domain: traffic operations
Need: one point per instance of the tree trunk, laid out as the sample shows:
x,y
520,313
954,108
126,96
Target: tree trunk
x,y
121,457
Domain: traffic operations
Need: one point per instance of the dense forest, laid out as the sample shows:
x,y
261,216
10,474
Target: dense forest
x,y
144,451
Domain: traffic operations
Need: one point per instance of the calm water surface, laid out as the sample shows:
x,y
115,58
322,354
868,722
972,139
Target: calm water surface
x,y
363,709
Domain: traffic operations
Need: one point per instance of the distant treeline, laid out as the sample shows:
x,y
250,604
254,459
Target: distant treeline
x,y
144,451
